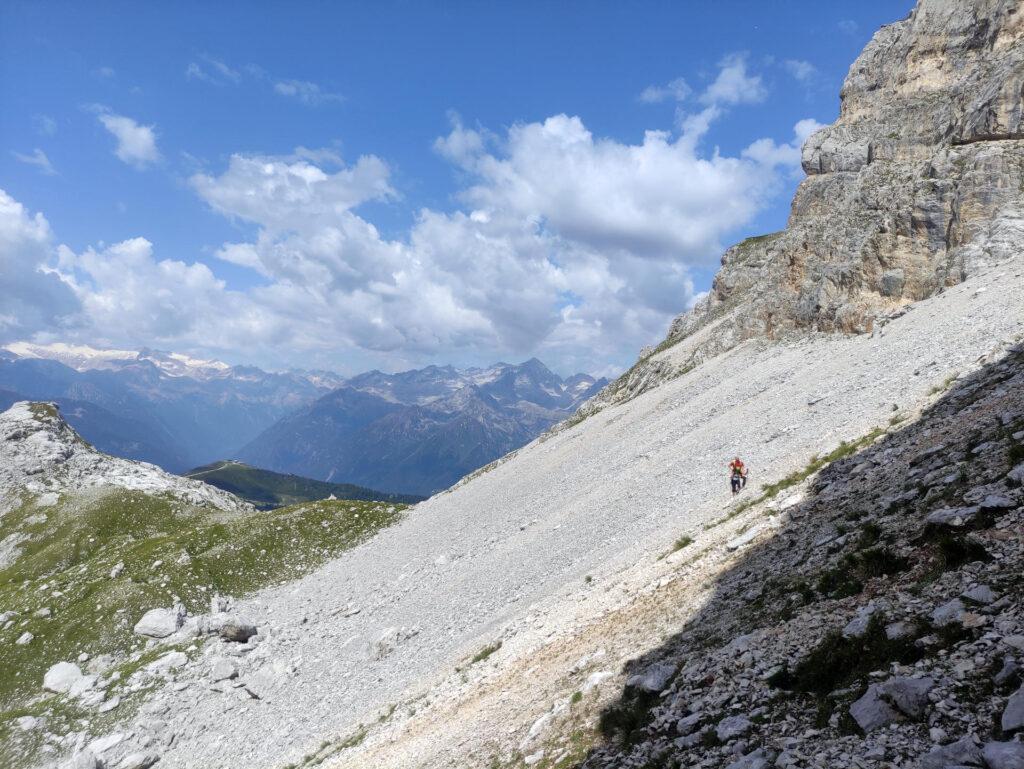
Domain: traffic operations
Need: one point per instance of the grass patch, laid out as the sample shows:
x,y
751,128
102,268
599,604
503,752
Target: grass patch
x,y
1016,453
684,541
838,661
486,652
946,384
847,578
170,550
623,720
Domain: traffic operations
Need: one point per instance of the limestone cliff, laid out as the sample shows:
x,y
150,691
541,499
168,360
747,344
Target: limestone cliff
x,y
917,184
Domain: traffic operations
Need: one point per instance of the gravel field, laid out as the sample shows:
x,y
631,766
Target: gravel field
x,y
505,555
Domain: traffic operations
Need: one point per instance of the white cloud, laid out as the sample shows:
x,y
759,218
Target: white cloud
x,y
564,244
734,84
848,27
306,92
212,70
104,72
136,144
676,90
33,298
802,71
769,154
209,69
37,158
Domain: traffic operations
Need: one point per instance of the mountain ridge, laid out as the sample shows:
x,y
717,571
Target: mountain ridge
x,y
266,489
419,431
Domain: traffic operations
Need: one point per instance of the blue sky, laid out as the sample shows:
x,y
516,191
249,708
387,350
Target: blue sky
x,y
429,213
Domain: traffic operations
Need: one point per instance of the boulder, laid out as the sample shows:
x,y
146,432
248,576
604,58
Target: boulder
x,y
1013,714
872,712
237,629
62,677
909,695
858,626
953,517
160,623
1008,674
1003,755
996,502
733,727
758,759
654,679
980,594
689,724
963,752
948,613
1016,475
138,760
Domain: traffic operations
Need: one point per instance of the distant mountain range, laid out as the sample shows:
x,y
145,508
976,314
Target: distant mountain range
x,y
164,408
414,432
420,431
266,489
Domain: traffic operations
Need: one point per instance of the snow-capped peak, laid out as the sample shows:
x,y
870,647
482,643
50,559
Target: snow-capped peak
x,y
85,358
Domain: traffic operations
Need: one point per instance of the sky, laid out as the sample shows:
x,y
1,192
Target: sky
x,y
390,184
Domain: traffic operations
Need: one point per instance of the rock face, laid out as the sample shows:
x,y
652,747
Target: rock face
x,y
916,185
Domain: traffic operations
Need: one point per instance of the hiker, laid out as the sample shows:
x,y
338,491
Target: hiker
x,y
737,474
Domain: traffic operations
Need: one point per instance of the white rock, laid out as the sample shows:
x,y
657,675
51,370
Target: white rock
x,y
138,760
60,678
223,669
167,661
24,639
160,623
102,744
596,679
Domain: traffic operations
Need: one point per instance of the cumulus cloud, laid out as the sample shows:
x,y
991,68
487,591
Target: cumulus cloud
x,y
734,84
38,159
33,297
769,154
305,92
560,243
136,143
676,90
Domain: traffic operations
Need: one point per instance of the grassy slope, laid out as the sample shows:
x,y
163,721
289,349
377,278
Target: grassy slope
x,y
75,543
265,488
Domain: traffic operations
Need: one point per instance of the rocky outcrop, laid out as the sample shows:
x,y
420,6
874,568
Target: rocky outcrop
x,y
919,183
41,454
